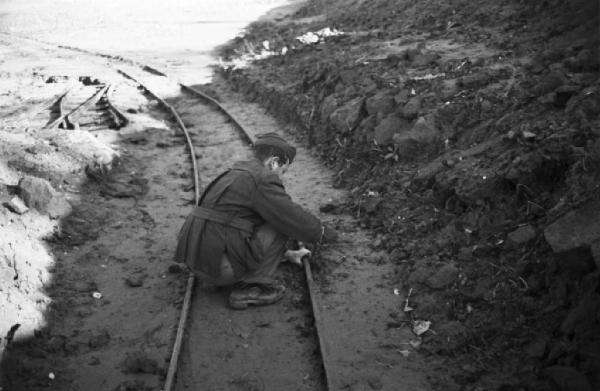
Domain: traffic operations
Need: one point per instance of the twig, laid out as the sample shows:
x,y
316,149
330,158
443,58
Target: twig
x,y
524,283
406,301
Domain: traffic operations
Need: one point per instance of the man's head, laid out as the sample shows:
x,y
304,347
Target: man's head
x,y
274,152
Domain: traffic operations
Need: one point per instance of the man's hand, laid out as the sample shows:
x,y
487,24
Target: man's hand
x,y
295,256
329,235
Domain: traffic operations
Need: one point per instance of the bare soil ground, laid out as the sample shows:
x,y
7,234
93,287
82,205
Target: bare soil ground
x,y
467,134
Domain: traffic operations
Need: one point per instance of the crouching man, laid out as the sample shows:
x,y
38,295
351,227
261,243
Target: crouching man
x,y
237,234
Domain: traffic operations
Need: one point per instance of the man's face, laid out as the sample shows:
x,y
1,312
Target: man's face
x,y
277,166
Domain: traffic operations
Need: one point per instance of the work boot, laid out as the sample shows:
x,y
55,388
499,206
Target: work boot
x,y
243,296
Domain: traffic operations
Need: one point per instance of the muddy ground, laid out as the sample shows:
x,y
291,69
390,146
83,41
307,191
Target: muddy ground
x,y
463,139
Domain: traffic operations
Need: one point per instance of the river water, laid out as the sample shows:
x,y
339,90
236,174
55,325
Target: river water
x,y
175,36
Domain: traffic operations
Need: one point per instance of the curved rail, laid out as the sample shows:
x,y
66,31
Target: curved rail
x,y
316,308
65,116
181,125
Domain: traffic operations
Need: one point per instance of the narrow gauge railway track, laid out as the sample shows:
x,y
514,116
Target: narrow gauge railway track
x,y
81,105
238,329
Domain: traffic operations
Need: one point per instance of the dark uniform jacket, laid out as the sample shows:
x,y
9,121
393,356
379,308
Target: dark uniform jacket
x,y
242,199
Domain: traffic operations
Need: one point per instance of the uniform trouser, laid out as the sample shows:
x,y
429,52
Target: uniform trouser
x,y
268,246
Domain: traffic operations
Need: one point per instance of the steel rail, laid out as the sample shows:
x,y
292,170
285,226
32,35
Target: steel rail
x,y
172,370
179,121
316,308
48,103
244,134
65,116
116,115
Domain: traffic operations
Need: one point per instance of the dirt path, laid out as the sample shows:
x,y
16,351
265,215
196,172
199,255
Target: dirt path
x,y
368,341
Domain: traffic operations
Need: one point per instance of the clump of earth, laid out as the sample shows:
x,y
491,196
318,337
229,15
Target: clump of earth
x,y
468,136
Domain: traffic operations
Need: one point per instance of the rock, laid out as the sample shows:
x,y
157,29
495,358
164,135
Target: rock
x,y
443,277
384,132
522,234
397,255
370,205
368,85
347,117
423,133
577,229
39,194
563,94
584,60
412,107
381,102
547,84
481,290
17,206
175,268
420,274
428,306
402,97
134,281
474,80
579,317
330,103
330,206
537,348
465,254
568,379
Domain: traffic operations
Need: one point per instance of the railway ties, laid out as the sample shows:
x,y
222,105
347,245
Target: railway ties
x,y
79,106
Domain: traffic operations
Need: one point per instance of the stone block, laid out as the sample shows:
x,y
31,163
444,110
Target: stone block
x,y
522,234
391,125
347,117
381,102
577,229
17,205
443,277
39,194
422,133
412,107
568,379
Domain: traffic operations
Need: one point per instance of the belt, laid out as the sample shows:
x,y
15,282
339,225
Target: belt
x,y
223,218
